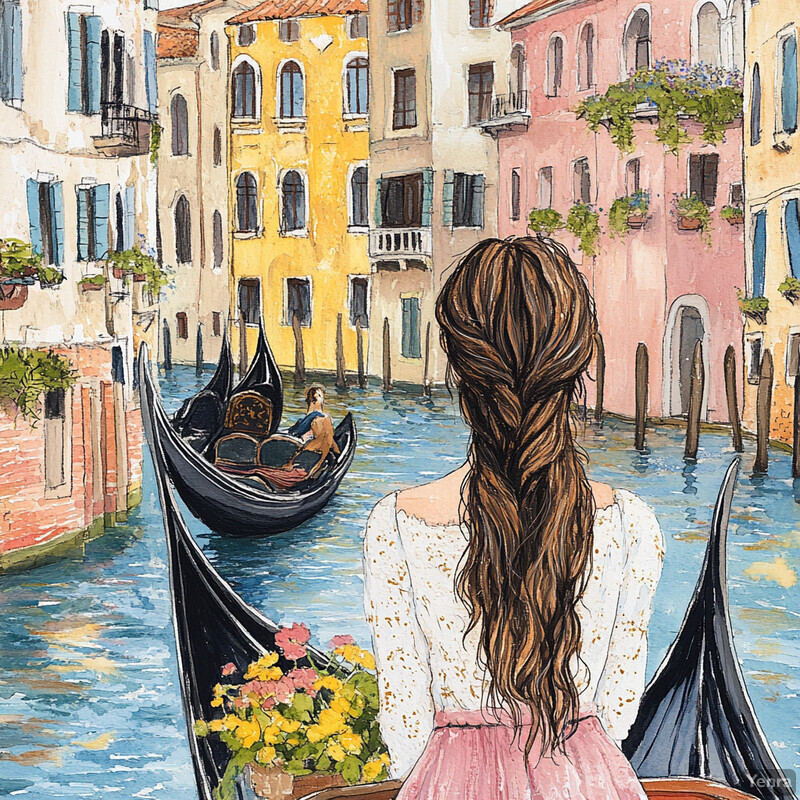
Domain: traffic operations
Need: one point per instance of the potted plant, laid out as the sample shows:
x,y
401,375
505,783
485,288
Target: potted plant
x,y
733,215
628,212
19,264
544,221
49,277
692,213
25,375
92,283
755,307
790,289
301,727
584,223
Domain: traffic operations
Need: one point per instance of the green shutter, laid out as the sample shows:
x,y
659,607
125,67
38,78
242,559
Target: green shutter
x,y
405,344
410,344
83,223
379,203
93,26
427,196
101,198
415,350
33,214
478,191
57,212
447,198
74,100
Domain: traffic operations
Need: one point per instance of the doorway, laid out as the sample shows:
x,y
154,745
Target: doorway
x,y
691,332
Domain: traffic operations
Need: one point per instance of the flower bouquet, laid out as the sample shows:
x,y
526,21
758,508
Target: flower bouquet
x,y
287,726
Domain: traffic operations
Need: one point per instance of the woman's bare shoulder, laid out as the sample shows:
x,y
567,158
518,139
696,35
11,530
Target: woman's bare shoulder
x,y
603,495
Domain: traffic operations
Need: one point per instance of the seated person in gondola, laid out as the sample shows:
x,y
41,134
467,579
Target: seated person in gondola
x,y
315,404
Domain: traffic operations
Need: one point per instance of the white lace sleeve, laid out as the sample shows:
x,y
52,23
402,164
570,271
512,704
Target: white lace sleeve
x,y
621,684
401,653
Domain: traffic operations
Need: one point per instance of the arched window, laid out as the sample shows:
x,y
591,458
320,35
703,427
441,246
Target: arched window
x,y
709,43
179,115
358,86
292,99
214,51
217,145
586,57
755,106
294,202
359,198
183,231
217,241
555,66
637,41
516,77
244,91
788,84
246,202
737,34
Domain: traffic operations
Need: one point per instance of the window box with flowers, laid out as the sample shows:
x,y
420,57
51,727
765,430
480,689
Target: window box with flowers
x,y
545,221
20,267
302,727
733,215
142,265
693,214
92,283
628,212
790,289
754,307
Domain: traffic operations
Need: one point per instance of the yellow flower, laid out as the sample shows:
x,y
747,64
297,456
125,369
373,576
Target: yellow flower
x,y
216,725
248,732
219,692
351,742
385,758
340,705
260,669
355,655
335,751
266,755
288,725
230,721
292,741
328,682
371,770
270,734
329,723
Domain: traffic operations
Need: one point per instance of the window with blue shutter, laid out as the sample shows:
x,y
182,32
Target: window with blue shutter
x,y
91,65
792,228
57,220
150,82
101,200
789,85
759,252
130,216
447,198
10,51
85,234
74,93
410,343
427,196
32,189
83,44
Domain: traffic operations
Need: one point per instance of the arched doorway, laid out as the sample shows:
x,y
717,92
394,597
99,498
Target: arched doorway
x,y
691,332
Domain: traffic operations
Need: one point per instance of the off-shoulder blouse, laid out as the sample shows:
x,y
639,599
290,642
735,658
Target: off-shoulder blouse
x,y
418,622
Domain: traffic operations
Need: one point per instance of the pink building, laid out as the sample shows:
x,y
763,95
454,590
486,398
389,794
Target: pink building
x,y
658,285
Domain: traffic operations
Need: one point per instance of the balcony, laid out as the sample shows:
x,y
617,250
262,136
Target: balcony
x,y
508,111
126,131
400,242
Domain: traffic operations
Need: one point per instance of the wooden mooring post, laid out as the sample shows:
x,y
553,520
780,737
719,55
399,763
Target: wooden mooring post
x,y
763,407
796,426
198,351
299,353
642,379
600,376
733,400
696,388
341,378
362,376
387,357
166,345
426,375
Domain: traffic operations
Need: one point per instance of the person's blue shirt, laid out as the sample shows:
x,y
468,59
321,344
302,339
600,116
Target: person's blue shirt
x,y
303,426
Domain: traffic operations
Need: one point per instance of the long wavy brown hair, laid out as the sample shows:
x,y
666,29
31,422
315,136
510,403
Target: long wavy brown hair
x,y
517,324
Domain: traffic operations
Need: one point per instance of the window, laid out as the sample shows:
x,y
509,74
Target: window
x,y
517,78
410,344
117,365
179,116
246,202
792,357
405,99
214,47
581,181
183,231
288,30
555,66
150,78
789,84
358,86
709,44
467,200
736,194
359,198
399,15
632,176
637,41
755,107
791,228
10,51
755,350
546,187
217,244
93,203
759,253
294,203
247,35
586,57
182,325
216,323
480,86
250,300
703,176
217,146
46,220
401,201
479,13
515,194
357,26
56,463
84,76
298,301
244,91
292,99
119,223
359,302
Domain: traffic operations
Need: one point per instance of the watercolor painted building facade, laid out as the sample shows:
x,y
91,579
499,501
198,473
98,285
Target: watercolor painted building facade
x,y
299,147
433,193
772,167
78,182
657,283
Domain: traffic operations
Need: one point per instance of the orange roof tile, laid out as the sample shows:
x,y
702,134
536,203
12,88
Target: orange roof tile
x,y
290,9
176,42
527,10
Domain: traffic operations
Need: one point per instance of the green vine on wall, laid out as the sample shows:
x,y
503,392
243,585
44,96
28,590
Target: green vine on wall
x,y
545,221
25,375
584,223
155,141
711,95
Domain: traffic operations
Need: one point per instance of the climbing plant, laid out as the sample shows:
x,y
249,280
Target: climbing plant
x,y
545,221
25,375
584,223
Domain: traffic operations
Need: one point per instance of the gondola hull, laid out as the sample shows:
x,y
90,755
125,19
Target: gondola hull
x,y
225,504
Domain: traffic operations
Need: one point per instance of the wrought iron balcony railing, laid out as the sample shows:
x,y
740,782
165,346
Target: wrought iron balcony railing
x,y
507,110
125,130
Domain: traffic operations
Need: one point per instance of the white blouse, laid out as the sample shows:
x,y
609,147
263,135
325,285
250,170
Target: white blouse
x,y
418,621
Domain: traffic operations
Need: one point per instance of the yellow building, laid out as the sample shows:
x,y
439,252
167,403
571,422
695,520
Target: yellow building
x,y
772,207
299,145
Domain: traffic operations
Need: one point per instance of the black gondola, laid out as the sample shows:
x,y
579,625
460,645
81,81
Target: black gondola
x,y
696,719
224,503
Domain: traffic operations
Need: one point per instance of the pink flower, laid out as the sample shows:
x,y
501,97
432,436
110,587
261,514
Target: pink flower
x,y
341,641
241,702
229,668
291,641
284,689
303,678
268,702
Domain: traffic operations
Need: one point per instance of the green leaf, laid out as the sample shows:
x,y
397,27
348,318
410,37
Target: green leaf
x,y
301,708
296,767
351,769
324,763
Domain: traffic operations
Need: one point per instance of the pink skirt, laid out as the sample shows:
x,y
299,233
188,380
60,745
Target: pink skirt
x,y
473,756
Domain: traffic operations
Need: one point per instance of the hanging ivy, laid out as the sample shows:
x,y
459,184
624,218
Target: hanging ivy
x,y
711,95
584,223
545,221
25,375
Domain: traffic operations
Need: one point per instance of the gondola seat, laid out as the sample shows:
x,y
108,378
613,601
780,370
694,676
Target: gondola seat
x,y
277,450
236,450
248,412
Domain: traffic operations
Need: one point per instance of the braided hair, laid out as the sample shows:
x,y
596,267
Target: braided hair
x,y
517,324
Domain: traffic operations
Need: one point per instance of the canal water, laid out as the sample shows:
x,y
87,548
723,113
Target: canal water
x,y
89,699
